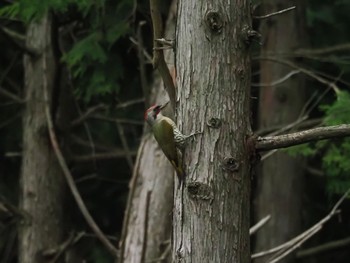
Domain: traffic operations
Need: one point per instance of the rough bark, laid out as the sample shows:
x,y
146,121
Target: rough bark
x,y
280,182
41,183
148,222
211,216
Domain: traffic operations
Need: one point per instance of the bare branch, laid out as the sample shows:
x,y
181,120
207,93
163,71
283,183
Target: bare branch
x,y
277,82
143,78
158,55
302,70
275,13
103,156
324,247
70,181
322,51
19,40
127,121
130,103
294,243
87,114
259,225
125,145
292,139
145,53
11,95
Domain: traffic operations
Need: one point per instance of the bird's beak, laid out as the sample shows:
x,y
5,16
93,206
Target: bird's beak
x,y
164,105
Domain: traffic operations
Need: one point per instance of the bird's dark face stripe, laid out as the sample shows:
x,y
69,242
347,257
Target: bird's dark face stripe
x,y
156,111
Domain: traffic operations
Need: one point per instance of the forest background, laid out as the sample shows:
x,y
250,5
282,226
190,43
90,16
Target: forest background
x,y
102,81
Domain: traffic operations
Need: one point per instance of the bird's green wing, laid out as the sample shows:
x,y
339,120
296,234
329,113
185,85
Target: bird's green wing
x,y
164,135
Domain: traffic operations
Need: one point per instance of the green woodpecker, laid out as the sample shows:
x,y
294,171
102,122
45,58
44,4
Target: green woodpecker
x,y
168,136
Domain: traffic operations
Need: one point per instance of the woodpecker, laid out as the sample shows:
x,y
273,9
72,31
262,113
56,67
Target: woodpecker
x,y
168,136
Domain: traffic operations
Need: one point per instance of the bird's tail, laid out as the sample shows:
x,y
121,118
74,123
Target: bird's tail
x,y
181,175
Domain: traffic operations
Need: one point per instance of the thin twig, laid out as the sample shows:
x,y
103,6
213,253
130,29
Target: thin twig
x,y
103,156
275,13
87,114
101,147
126,121
89,135
295,246
303,70
277,82
143,78
18,40
324,247
11,95
293,243
145,53
322,51
125,145
130,103
85,212
259,225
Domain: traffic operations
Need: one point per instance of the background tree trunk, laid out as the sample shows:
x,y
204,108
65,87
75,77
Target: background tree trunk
x,y
148,222
42,183
280,183
211,217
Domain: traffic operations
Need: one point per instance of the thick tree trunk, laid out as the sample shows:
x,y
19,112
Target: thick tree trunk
x,y
280,183
41,183
211,217
149,218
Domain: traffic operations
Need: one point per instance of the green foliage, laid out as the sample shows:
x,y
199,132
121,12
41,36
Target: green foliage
x,y
95,67
339,111
336,158
335,153
304,150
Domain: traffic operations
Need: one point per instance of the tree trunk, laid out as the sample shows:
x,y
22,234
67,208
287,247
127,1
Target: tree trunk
x,y
211,217
148,220
280,183
42,183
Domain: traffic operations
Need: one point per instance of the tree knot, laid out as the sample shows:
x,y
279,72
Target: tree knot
x,y
197,190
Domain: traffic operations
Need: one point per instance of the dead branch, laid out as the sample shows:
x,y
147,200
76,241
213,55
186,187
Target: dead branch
x,y
324,247
297,244
323,51
278,81
126,121
87,114
130,103
275,13
292,139
144,52
294,243
11,95
125,145
68,176
18,40
158,55
143,78
103,156
307,72
259,225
